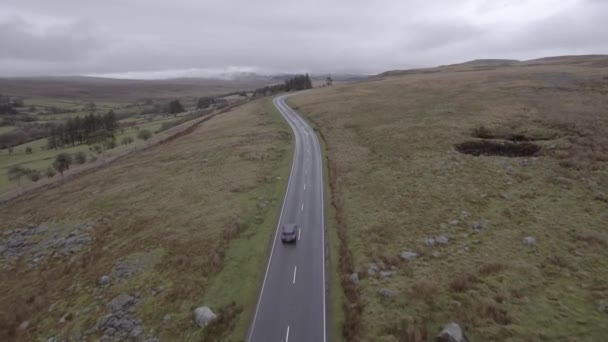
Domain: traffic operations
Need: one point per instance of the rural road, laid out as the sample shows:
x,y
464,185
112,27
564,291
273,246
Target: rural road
x,y
291,306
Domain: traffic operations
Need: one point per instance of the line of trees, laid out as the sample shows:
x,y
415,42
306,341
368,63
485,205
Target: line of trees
x,y
90,129
298,82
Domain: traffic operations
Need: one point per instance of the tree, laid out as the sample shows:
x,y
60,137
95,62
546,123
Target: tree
x,y
34,175
80,157
205,102
91,107
62,162
15,172
175,107
28,150
144,134
50,172
126,140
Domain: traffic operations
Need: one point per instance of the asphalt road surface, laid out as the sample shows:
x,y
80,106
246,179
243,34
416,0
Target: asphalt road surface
x,y
291,306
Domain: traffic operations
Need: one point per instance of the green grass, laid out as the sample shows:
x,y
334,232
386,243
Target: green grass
x,y
6,129
41,158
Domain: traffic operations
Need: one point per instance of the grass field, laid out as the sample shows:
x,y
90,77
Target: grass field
x,y
200,210
41,158
397,180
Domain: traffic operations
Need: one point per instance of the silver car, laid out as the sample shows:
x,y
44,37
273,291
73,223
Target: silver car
x,y
289,233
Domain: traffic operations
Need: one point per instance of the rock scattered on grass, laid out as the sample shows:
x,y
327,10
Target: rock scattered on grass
x,y
354,278
372,269
409,256
452,332
436,254
453,223
35,240
203,316
602,306
386,274
121,322
442,239
125,269
104,280
437,240
387,293
529,241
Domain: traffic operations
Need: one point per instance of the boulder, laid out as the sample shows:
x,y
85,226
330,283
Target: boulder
x,y
386,274
452,332
104,280
441,239
354,278
529,241
203,316
387,293
121,302
373,269
408,255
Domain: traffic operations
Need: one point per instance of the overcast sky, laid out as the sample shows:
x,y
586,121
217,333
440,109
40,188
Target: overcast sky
x,y
169,38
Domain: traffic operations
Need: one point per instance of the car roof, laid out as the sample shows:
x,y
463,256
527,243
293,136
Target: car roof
x,y
289,227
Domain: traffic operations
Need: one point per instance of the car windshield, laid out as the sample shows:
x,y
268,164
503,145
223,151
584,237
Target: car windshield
x,y
289,229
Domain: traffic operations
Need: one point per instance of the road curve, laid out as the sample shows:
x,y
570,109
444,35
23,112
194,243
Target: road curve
x,y
291,305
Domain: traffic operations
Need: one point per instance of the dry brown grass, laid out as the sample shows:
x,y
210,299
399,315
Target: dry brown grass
x,y
399,180
192,201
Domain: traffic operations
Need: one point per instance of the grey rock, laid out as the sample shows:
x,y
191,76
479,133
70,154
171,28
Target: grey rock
x,y
136,332
529,241
121,302
452,332
167,318
436,254
386,274
203,316
429,241
354,278
109,331
387,293
602,306
24,325
372,269
464,215
453,223
104,280
408,255
443,226
442,239
509,169
55,339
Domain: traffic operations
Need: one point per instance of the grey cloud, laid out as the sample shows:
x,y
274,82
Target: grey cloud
x,y
137,36
58,43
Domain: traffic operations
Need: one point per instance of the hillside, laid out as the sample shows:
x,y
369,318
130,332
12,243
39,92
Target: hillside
x,y
133,248
471,195
494,64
